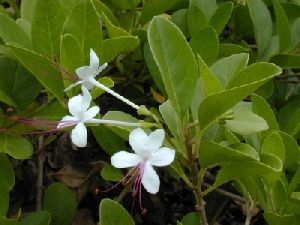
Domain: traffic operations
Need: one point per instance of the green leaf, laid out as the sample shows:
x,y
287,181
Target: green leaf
x,y
287,61
164,38
192,218
196,18
113,47
102,8
210,82
153,68
7,174
113,30
208,7
273,144
245,122
11,32
226,50
122,131
221,16
15,146
289,117
60,202
225,69
47,24
6,221
111,212
4,203
180,19
108,140
292,151
217,104
283,26
84,24
210,50
37,218
42,69
212,154
275,219
261,107
262,23
270,167
111,173
27,7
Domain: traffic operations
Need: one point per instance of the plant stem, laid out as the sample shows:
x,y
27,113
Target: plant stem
x,y
39,182
114,122
249,212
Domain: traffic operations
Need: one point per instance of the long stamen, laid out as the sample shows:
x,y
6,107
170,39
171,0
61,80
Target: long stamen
x,y
114,122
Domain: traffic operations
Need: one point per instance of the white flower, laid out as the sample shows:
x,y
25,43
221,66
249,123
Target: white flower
x,y
148,153
88,74
80,114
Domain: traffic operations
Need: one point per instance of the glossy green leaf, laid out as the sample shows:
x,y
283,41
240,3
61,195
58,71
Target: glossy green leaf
x,y
84,24
164,38
113,47
210,82
102,8
113,30
210,50
270,167
108,210
191,218
60,202
7,174
225,69
208,7
217,104
6,221
37,218
212,154
15,146
273,144
275,219
262,23
42,69
245,122
11,32
283,26
288,118
221,16
27,7
153,68
108,140
47,24
4,203
180,19
226,50
287,61
111,173
196,18
261,107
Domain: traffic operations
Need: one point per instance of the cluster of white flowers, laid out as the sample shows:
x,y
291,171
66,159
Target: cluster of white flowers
x,y
147,148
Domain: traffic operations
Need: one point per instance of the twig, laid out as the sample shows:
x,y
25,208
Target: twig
x,y
39,182
227,193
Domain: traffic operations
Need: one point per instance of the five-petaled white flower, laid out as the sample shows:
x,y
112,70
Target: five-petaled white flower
x,y
148,153
80,114
88,74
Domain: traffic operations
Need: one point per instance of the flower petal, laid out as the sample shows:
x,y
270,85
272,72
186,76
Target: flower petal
x,y
86,99
150,179
88,84
155,139
74,105
67,121
73,85
163,157
79,135
94,60
91,113
137,140
124,159
85,72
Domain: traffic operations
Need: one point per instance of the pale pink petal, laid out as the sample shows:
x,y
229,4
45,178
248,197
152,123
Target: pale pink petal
x,y
124,159
155,139
67,121
138,140
150,179
79,135
163,157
